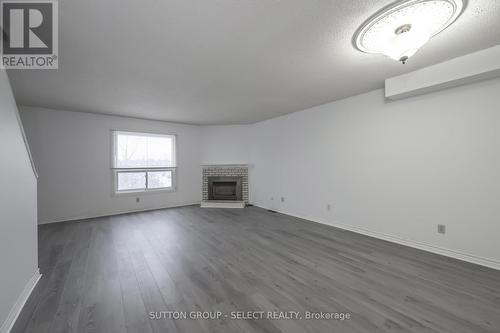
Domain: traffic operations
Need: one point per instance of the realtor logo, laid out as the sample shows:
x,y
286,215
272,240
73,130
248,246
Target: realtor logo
x,y
29,34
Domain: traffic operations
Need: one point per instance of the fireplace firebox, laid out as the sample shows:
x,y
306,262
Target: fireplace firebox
x,y
224,188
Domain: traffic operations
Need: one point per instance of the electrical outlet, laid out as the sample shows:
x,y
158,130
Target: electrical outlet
x,y
282,199
272,198
328,207
441,228
137,199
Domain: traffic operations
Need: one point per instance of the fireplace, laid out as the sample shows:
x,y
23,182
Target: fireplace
x,y
225,188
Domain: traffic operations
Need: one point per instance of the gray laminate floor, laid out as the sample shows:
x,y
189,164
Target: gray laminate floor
x,y
108,274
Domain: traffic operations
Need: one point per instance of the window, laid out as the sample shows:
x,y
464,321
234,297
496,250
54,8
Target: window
x,y
143,162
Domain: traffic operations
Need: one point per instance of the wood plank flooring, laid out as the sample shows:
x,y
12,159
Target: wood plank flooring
x,y
108,274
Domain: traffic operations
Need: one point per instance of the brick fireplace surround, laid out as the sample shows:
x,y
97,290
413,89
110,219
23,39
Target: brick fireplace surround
x,y
225,170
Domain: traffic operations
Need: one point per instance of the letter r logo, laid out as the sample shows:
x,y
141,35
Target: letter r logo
x,y
27,27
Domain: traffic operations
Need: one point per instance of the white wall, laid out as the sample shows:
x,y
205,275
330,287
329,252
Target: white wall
x,y
391,169
225,144
18,208
72,152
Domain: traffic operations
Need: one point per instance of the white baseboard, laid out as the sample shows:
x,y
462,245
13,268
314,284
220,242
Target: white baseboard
x,y
487,262
21,300
85,217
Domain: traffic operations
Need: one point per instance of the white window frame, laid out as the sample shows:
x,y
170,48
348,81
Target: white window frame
x,y
115,170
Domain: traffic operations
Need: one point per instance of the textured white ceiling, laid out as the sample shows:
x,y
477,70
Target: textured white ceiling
x,y
225,61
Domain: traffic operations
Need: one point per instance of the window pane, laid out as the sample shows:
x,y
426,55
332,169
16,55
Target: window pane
x,y
131,151
131,181
160,151
159,179
140,150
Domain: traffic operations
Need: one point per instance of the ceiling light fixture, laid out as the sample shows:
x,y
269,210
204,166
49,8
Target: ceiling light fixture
x,y
398,31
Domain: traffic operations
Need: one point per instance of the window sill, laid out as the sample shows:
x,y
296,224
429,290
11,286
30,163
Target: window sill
x,y
133,193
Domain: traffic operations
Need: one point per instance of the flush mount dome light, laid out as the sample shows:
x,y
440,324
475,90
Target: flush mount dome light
x,y
398,31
